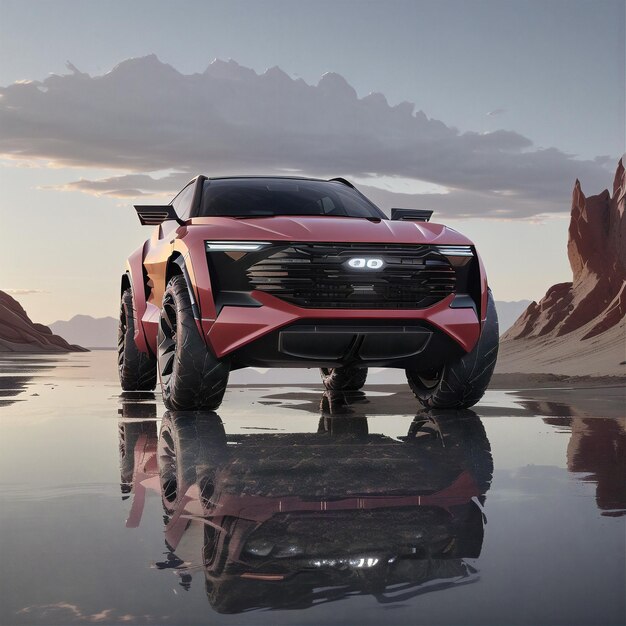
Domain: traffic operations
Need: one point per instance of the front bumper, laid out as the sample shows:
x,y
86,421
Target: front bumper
x,y
278,333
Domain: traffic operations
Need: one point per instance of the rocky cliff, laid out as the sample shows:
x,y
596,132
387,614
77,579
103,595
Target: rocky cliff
x,y
580,323
19,334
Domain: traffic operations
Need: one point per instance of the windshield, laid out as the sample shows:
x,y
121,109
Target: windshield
x,y
261,197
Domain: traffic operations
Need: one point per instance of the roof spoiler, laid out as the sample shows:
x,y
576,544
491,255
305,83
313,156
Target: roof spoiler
x,y
338,179
155,214
411,215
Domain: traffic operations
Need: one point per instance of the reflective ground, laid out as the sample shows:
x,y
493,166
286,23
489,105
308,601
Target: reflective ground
x,y
297,507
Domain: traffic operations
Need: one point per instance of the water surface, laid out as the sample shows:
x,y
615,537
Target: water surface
x,y
294,506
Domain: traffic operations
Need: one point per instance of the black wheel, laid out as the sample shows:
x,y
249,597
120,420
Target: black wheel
x,y
462,382
343,378
192,377
137,369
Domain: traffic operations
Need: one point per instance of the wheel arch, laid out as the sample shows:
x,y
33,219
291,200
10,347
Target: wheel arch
x,y
189,253
484,290
135,278
176,266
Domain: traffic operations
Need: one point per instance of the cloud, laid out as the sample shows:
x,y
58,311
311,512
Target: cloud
x,y
461,204
72,612
128,185
23,292
144,117
495,112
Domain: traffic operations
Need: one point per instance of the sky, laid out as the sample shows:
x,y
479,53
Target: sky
x,y
512,102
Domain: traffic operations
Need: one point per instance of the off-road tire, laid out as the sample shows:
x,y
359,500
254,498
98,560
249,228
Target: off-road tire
x,y
137,370
343,378
462,382
192,378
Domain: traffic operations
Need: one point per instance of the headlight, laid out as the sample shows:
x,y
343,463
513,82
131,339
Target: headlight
x,y
458,256
455,250
235,246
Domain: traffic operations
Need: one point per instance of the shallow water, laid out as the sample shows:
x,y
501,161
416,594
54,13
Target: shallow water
x,y
297,507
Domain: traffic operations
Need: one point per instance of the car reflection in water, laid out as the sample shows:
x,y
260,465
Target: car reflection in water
x,y
137,434
293,520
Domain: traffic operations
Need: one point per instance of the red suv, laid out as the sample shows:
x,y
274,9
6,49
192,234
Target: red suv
x,y
297,272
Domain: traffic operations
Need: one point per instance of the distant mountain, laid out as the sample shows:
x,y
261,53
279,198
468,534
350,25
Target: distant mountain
x,y
508,312
93,332
18,333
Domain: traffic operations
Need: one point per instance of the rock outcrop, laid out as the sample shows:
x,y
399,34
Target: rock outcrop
x,y
19,334
592,306
596,249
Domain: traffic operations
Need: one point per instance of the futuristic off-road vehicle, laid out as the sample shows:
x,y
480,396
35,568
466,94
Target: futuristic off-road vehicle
x,y
296,272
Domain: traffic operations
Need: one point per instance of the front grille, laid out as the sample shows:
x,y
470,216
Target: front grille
x,y
319,276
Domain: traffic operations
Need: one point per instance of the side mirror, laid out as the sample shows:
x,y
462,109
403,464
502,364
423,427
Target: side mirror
x,y
411,215
153,215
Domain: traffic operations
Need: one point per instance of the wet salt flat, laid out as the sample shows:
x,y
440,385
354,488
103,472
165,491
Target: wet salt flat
x,y
292,506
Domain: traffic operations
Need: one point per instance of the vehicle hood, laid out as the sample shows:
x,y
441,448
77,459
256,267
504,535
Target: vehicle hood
x,y
325,229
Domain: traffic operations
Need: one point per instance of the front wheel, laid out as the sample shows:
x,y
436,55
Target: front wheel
x,y
343,378
192,378
461,382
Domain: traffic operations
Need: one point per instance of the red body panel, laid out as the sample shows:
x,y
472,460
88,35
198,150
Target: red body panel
x,y
237,326
134,269
326,229
191,246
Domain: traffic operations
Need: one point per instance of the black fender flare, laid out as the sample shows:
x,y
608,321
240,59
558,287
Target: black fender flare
x,y
179,260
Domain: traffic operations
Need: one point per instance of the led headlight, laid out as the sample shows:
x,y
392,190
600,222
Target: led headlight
x,y
235,246
458,256
455,250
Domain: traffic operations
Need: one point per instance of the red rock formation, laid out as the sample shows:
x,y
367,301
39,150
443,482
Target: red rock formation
x,y
19,334
596,249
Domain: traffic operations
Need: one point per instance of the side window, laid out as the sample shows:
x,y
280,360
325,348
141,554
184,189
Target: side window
x,y
182,202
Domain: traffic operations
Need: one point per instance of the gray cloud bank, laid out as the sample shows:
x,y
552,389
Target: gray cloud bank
x,y
144,117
